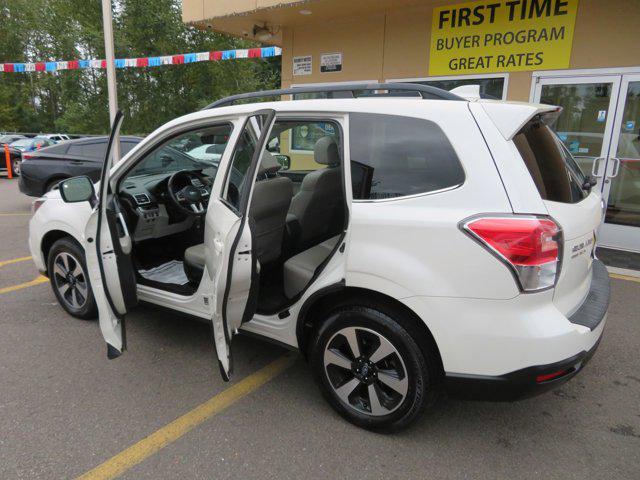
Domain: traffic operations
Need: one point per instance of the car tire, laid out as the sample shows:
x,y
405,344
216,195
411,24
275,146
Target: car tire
x,y
52,184
15,167
69,279
389,379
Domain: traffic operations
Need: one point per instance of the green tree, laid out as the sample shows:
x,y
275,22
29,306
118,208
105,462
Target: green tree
x,y
75,101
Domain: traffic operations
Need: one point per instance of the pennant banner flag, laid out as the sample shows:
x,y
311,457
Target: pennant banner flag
x,y
179,59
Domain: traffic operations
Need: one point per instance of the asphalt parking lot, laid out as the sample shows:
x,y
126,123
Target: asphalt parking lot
x,y
65,409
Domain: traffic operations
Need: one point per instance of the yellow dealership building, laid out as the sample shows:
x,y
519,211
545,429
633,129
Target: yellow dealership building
x,y
580,54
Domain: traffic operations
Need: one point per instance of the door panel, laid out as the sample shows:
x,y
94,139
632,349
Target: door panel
x,y
229,256
108,249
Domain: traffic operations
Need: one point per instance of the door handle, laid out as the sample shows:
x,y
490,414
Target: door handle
x,y
595,167
77,162
616,167
218,245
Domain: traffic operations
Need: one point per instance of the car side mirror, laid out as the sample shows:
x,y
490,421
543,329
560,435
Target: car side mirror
x,y
283,160
77,189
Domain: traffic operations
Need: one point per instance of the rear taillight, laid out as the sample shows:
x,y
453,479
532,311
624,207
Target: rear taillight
x,y
529,246
25,156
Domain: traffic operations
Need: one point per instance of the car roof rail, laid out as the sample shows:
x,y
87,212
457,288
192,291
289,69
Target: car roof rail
x,y
342,90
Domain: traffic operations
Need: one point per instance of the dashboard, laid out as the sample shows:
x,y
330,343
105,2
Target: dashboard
x,y
149,213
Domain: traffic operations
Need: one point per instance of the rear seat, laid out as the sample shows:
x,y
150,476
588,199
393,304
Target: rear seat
x,y
299,270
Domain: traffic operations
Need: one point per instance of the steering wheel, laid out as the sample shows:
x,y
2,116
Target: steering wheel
x,y
187,197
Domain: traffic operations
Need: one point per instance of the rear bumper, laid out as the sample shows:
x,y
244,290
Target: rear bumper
x,y
519,384
29,185
531,381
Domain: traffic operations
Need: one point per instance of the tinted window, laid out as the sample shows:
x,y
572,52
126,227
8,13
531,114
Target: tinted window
x,y
57,149
94,150
394,156
552,167
126,147
237,186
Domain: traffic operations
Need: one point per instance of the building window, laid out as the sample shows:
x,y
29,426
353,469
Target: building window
x,y
491,86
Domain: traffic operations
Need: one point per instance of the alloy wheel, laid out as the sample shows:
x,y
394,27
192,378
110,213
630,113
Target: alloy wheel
x,y
16,167
366,371
70,280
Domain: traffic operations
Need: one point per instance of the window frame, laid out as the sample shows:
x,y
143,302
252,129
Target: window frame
x,y
475,76
320,84
402,197
120,170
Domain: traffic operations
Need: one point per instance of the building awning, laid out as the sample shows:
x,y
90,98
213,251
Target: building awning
x,y
259,19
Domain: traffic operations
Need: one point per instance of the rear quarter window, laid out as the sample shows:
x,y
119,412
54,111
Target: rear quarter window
x,y
394,156
553,169
58,149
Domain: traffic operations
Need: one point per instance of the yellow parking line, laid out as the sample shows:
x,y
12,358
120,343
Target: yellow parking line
x,y
15,260
624,277
168,434
36,281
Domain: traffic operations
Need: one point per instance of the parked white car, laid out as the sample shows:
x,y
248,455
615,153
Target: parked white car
x,y
56,137
441,244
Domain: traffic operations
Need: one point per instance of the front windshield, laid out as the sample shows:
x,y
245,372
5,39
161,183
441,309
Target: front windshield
x,y
24,143
196,150
166,160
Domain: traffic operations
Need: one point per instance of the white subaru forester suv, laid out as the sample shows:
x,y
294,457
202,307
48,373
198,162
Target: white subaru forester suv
x,y
433,243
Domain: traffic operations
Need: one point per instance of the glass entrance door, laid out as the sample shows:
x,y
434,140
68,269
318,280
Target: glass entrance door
x,y
585,125
622,190
599,125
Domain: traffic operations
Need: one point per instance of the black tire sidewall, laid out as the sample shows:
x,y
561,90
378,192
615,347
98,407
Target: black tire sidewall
x,y
89,310
52,183
419,392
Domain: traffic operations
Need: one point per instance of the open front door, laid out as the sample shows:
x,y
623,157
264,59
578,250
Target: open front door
x,y
229,255
108,256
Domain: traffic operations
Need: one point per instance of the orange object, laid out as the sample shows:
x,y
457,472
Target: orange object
x,y
7,158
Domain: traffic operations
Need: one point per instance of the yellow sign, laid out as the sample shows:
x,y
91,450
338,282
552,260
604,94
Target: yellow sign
x,y
502,36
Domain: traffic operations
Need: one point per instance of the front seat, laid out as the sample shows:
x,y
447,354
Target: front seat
x,y
318,207
269,206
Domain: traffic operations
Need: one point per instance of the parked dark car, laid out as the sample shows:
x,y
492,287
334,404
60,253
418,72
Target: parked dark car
x,y
44,169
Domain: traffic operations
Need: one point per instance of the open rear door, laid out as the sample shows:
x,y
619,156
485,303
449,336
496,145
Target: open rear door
x,y
229,255
108,256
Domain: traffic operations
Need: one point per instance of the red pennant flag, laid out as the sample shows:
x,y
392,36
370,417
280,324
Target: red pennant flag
x,y
142,62
40,67
103,64
73,65
215,56
178,59
255,52
8,67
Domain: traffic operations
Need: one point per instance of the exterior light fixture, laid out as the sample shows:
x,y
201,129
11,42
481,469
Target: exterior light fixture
x,y
262,34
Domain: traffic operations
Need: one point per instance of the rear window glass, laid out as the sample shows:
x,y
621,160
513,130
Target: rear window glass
x,y
88,150
394,156
552,167
58,149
